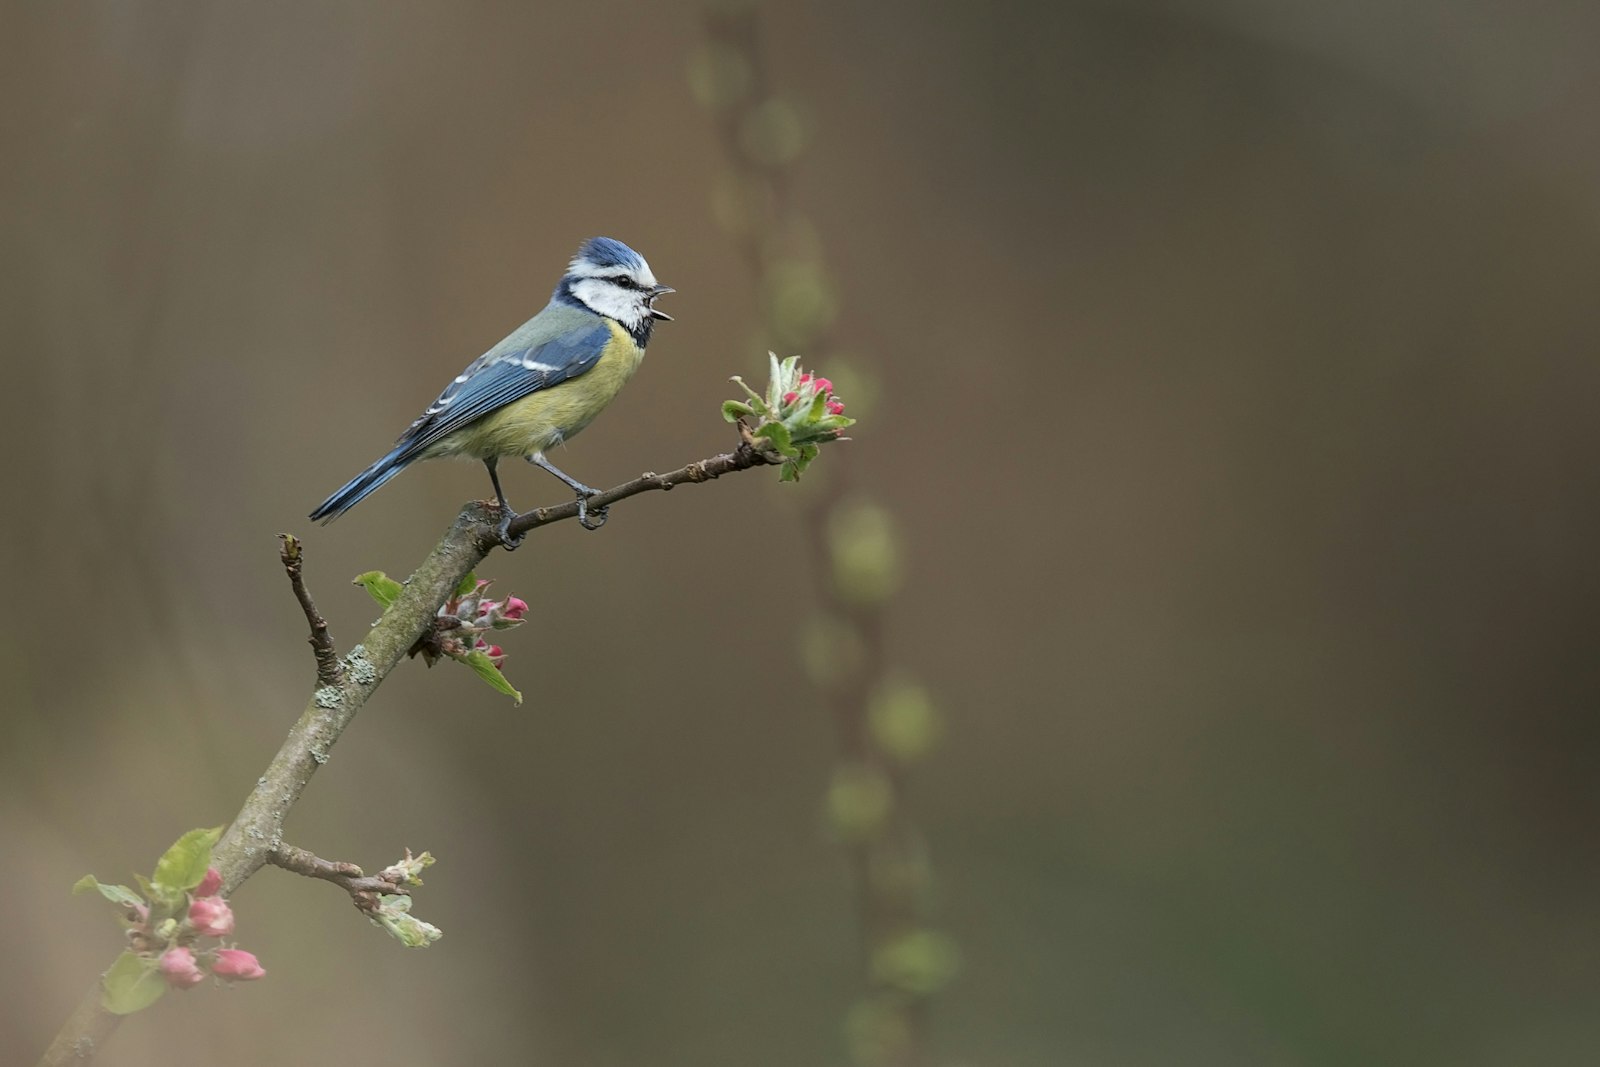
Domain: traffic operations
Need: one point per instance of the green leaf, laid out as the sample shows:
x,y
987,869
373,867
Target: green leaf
x,y
778,434
131,984
819,404
484,668
184,865
775,389
394,915
117,894
145,886
164,900
468,584
732,409
382,588
792,469
756,398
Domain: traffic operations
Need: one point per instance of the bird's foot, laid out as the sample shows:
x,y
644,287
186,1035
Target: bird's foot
x,y
508,542
590,519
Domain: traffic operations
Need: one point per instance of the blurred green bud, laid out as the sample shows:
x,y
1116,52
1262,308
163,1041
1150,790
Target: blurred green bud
x,y
921,962
903,719
773,133
866,552
719,75
859,801
800,302
877,1031
830,650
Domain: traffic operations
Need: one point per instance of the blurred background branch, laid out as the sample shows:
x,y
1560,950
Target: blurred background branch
x,y
882,716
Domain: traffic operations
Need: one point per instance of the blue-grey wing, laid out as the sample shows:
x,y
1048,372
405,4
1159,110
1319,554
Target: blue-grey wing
x,y
498,378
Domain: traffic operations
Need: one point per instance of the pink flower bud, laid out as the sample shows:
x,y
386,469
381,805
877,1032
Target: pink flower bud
x,y
211,917
179,968
790,398
822,385
804,378
237,965
487,606
497,655
209,884
516,607
836,407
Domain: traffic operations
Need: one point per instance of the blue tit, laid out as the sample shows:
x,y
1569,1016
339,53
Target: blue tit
x,y
541,385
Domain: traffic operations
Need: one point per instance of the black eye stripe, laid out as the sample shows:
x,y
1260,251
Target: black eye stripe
x,y
626,282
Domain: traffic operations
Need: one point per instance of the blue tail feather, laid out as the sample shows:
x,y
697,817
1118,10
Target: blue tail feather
x,y
356,489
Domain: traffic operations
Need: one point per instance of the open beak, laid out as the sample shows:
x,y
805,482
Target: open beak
x,y
655,291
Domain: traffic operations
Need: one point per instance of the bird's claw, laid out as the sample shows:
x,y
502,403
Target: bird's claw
x,y
584,514
508,542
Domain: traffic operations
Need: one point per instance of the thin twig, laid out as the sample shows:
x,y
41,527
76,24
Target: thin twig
x,y
256,835
364,889
328,669
742,458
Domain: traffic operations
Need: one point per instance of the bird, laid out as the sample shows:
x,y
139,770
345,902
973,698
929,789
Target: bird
x,y
539,386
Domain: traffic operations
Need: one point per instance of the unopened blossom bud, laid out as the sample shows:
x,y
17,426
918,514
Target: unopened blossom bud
x,y
790,398
211,917
237,965
209,884
179,968
821,385
836,407
516,608
487,607
497,656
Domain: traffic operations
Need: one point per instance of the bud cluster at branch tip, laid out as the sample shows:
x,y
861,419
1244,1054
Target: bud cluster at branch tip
x,y
795,417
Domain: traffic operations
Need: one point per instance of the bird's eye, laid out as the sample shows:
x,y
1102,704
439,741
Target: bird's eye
x,y
625,281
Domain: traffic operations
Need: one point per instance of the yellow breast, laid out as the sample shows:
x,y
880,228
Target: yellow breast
x,y
540,420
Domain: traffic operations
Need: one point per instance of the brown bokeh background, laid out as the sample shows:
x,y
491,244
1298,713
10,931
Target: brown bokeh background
x,y
1238,405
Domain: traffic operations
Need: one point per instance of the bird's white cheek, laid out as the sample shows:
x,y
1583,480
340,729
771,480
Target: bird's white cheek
x,y
610,301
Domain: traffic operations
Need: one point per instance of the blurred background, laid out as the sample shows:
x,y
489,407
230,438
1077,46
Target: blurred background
x,y
1236,405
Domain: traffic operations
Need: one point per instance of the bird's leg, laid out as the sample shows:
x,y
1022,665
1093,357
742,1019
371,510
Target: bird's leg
x,y
506,512
584,493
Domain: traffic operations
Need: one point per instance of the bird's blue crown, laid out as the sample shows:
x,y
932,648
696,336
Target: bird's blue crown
x,y
602,252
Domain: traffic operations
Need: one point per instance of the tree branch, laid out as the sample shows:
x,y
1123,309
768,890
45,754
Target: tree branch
x,y
256,834
328,670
